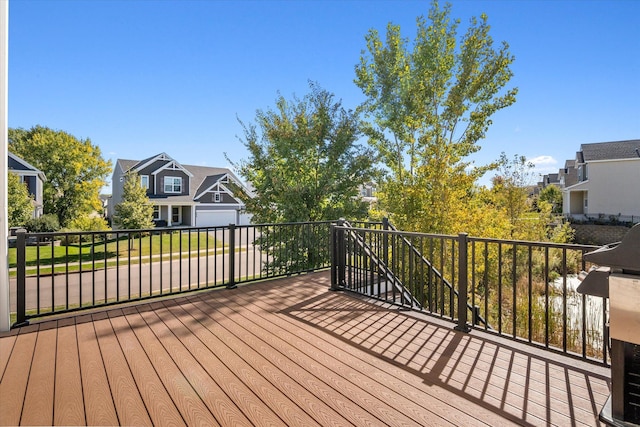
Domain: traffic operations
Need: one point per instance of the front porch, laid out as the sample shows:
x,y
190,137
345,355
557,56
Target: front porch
x,y
284,352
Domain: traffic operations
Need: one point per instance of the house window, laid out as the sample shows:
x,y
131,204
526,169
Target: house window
x,y
175,215
144,181
156,212
172,184
216,197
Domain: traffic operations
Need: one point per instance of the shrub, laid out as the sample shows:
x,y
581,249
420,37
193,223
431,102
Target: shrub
x,y
84,223
88,223
44,224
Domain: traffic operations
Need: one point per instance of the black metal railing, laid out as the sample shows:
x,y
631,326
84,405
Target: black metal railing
x,y
59,272
521,290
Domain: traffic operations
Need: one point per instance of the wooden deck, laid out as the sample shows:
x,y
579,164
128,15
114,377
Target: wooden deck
x,y
283,352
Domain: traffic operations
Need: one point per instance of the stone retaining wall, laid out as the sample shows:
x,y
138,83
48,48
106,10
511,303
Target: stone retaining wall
x,y
590,234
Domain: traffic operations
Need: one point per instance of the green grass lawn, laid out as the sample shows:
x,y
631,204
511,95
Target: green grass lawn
x,y
124,248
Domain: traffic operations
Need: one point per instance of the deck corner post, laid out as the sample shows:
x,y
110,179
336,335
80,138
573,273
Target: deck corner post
x,y
463,283
232,257
21,276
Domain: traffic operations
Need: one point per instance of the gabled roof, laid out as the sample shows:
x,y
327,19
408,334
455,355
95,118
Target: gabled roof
x,y
615,150
208,183
26,166
125,165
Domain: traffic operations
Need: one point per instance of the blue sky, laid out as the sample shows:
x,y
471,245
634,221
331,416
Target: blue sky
x,y
140,77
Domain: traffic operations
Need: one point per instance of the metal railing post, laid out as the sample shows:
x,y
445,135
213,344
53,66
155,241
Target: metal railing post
x,y
463,283
338,267
232,257
21,276
385,241
334,258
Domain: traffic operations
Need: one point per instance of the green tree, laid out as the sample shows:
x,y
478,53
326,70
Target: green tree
x,y
135,211
20,202
74,168
305,164
304,161
428,104
553,196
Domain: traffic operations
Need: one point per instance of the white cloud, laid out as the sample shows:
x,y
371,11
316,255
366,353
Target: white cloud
x,y
544,161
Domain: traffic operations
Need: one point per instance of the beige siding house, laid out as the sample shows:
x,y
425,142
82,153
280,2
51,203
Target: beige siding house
x,y
608,183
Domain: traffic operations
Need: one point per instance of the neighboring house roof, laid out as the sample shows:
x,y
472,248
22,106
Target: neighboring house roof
x,y
19,165
125,165
609,151
208,182
202,177
552,178
569,175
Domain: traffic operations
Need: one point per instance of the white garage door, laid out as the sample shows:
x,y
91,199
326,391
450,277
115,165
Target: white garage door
x,y
215,218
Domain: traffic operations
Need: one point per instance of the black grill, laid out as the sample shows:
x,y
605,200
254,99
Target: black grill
x,y
618,278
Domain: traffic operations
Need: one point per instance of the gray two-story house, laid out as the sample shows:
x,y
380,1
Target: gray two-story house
x,y
184,195
32,177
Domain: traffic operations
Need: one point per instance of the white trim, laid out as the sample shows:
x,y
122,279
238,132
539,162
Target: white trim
x,y
211,204
624,159
161,156
141,184
578,186
177,166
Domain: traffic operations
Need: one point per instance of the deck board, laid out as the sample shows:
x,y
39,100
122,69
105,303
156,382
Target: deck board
x,y
287,410
129,405
69,401
160,406
186,398
38,401
284,352
13,385
312,376
236,400
361,369
5,350
99,405
355,386
277,372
